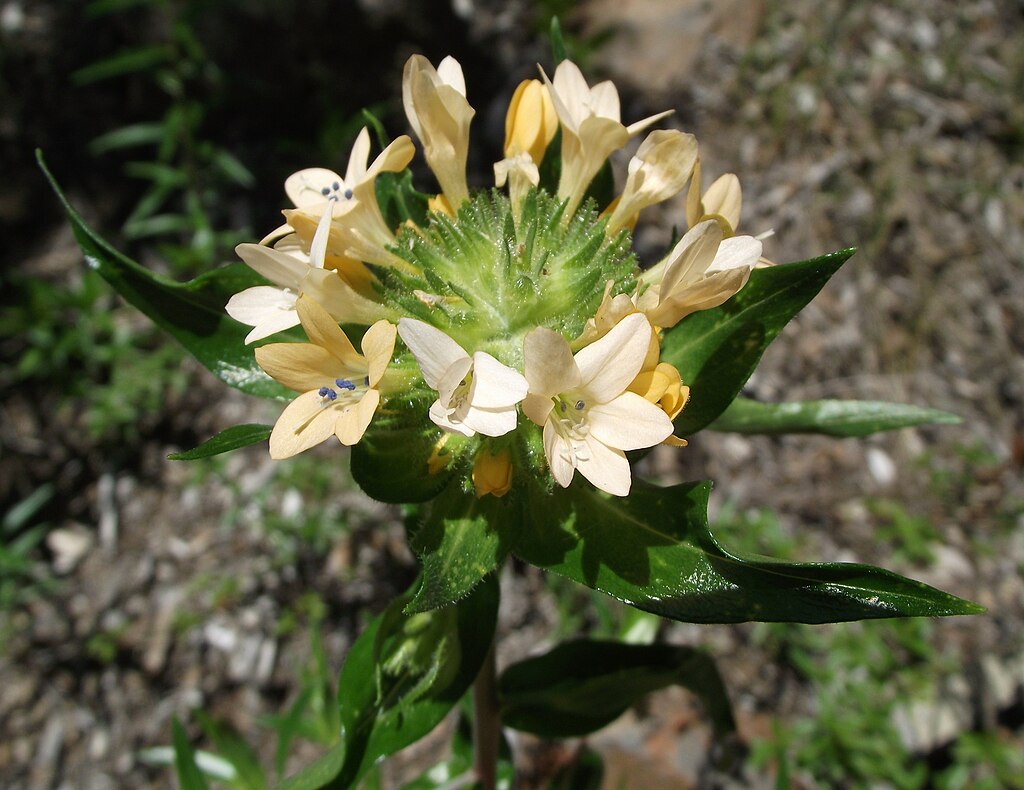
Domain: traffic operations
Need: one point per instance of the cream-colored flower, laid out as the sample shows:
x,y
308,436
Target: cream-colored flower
x,y
530,125
700,272
357,229
660,169
591,128
583,403
475,394
722,202
436,106
341,388
269,309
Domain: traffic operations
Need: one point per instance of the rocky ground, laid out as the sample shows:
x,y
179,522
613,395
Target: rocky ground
x,y
897,128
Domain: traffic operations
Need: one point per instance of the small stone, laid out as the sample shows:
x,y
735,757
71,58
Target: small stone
x,y
881,466
69,545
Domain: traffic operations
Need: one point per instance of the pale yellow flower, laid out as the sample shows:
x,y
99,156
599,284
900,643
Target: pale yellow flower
x,y
722,202
340,387
659,170
530,125
357,229
700,272
591,128
492,473
436,106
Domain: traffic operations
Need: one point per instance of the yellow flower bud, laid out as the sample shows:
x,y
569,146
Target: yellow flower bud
x,y
531,122
662,386
440,457
492,473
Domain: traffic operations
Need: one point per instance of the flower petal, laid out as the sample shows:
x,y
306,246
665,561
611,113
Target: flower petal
x,y
495,385
491,422
608,365
439,416
559,455
306,187
378,345
354,420
548,363
304,423
605,467
629,422
299,366
325,332
278,267
434,350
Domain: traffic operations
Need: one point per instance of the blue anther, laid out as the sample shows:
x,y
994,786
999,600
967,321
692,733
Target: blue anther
x,y
327,392
579,405
366,381
348,194
345,384
335,186
325,191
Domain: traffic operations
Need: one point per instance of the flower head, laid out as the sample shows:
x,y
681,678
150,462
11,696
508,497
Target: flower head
x,y
475,394
340,387
583,403
436,106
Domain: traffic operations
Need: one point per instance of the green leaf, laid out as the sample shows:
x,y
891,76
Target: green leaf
x,y
400,679
127,137
390,462
225,441
841,418
193,312
581,686
716,350
232,747
189,775
558,53
398,199
126,62
462,540
654,550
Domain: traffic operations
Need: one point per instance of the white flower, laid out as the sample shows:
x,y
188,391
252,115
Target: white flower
x,y
476,394
269,309
700,272
589,417
722,201
591,128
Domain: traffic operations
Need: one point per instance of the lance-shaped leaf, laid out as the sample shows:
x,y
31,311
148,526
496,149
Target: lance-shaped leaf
x,y
463,539
841,418
716,350
654,550
400,679
193,312
230,439
581,686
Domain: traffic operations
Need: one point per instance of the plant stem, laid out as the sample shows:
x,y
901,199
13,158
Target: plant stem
x,y
486,723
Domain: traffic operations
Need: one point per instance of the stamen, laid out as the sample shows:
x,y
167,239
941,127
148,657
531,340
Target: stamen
x,y
327,392
345,384
325,191
348,194
580,405
335,186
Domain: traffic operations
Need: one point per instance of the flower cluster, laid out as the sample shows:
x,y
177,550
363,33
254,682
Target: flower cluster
x,y
529,335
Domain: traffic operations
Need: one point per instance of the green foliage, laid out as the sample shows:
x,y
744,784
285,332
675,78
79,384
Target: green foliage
x,y
654,551
580,686
841,418
187,175
401,677
912,537
716,350
231,439
21,576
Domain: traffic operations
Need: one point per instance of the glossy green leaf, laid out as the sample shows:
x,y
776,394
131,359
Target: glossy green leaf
x,y
463,539
654,550
193,312
400,679
189,775
225,441
841,418
581,686
399,200
716,350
